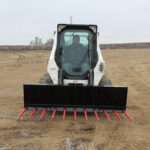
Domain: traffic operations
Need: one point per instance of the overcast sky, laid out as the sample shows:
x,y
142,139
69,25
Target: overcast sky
x,y
118,20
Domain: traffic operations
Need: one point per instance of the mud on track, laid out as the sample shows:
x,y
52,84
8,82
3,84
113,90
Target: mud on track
x,y
125,67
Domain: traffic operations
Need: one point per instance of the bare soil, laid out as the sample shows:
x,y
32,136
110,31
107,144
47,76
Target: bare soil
x,y
124,67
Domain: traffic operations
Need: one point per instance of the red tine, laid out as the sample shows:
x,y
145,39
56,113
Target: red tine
x,y
106,114
128,117
85,114
74,114
32,113
21,113
117,115
43,114
53,113
96,115
64,114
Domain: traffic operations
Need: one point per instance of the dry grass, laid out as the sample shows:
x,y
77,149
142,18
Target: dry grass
x,y
124,67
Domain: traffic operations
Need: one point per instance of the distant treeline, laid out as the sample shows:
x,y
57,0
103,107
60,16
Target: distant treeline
x,y
46,47
125,45
23,47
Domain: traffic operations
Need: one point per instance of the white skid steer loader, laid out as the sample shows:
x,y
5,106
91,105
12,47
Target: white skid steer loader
x,y
75,80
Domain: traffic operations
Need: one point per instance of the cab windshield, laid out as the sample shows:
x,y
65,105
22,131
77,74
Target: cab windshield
x,y
76,47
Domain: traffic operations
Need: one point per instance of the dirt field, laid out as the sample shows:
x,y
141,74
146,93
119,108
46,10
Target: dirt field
x,y
124,67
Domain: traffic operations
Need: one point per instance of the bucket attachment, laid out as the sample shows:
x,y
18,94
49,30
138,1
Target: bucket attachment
x,y
74,99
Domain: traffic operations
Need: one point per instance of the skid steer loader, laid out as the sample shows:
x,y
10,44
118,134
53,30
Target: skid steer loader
x,y
75,80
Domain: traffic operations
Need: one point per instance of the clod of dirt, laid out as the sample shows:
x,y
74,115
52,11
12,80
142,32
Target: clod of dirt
x,y
100,146
88,127
76,144
82,139
5,147
81,127
29,146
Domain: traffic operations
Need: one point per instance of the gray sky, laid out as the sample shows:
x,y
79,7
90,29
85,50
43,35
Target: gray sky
x,y
118,20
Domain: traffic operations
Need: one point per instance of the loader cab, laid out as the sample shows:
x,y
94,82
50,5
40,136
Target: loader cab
x,y
76,54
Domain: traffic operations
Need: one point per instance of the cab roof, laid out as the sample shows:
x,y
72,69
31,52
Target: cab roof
x,y
91,27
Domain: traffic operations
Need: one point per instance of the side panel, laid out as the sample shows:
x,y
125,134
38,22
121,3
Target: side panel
x,y
110,98
52,67
97,73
